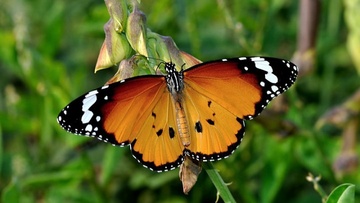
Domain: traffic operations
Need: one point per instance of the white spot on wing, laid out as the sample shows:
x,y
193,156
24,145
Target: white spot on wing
x,y
88,102
88,128
91,93
262,64
274,88
271,78
86,117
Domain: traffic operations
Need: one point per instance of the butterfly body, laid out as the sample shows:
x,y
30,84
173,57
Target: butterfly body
x,y
198,112
175,84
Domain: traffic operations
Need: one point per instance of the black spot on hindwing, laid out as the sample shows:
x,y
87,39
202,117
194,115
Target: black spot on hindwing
x,y
159,132
211,122
171,132
198,127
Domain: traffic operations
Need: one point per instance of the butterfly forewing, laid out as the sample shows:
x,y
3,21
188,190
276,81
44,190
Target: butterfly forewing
x,y
245,85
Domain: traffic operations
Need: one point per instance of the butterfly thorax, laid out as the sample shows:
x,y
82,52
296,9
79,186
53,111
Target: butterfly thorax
x,y
175,84
174,79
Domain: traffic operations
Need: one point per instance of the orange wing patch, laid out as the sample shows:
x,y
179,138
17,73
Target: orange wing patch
x,y
158,143
223,83
146,121
215,131
129,106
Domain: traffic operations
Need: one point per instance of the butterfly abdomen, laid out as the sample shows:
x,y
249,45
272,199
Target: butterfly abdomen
x,y
182,124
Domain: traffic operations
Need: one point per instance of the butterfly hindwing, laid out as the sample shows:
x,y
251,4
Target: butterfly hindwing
x,y
215,131
158,145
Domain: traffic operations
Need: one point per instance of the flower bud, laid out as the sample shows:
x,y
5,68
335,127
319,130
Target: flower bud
x,y
118,12
136,32
114,49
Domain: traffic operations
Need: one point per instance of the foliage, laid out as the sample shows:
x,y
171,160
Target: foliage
x,y
343,193
48,52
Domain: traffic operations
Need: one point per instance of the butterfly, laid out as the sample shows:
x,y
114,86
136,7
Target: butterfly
x,y
198,112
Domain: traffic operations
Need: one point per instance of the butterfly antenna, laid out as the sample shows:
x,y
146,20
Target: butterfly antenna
x,y
159,64
156,59
182,67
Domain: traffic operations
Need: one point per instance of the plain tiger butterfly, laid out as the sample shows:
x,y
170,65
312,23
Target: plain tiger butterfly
x,y
198,112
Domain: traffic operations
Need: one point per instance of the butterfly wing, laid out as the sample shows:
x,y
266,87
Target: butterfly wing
x,y
137,111
219,95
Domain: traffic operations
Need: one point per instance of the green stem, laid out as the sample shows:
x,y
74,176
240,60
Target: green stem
x,y
219,183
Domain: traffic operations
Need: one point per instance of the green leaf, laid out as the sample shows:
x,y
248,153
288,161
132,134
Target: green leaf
x,y
344,193
112,155
11,193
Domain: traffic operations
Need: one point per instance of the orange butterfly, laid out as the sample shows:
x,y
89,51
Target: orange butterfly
x,y
198,112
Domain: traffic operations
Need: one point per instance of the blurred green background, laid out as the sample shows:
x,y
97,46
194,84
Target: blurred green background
x,y
48,50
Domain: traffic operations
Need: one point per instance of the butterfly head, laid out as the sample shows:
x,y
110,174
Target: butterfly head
x,y
174,79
